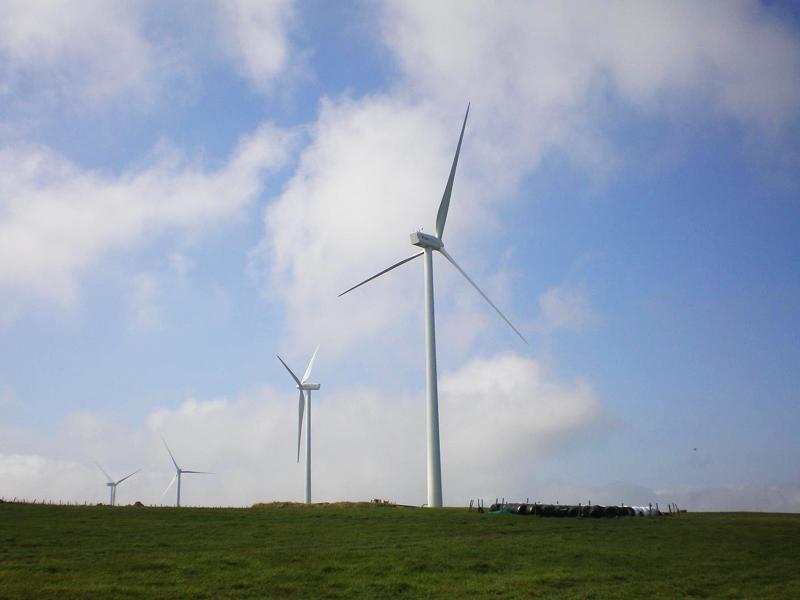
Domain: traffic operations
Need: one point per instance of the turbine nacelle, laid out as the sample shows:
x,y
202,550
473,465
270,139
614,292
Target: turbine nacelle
x,y
424,240
308,386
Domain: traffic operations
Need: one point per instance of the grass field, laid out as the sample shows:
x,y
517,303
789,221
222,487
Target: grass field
x,y
387,552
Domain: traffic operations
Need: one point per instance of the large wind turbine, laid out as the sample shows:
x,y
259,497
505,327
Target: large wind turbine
x,y
112,485
178,473
429,243
304,386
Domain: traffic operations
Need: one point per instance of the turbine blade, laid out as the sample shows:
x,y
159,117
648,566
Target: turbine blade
x,y
290,371
485,297
126,477
171,483
394,266
170,453
104,472
300,410
444,205
199,472
310,366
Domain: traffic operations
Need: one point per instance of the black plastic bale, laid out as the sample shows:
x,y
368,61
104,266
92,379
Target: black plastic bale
x,y
547,510
611,511
574,511
520,509
597,511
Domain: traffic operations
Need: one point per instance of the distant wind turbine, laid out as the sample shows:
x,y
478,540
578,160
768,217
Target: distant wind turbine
x,y
429,243
304,386
178,473
112,485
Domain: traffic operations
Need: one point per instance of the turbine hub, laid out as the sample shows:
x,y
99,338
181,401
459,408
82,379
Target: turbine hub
x,y
423,240
308,386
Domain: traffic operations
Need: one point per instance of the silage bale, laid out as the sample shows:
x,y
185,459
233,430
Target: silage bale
x,y
597,511
547,510
562,510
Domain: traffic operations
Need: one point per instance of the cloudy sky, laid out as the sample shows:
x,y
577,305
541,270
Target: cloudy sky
x,y
186,187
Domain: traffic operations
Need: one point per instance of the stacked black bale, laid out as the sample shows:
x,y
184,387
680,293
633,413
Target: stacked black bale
x,y
534,509
595,511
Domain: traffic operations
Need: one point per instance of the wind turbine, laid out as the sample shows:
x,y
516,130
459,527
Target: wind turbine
x,y
429,243
112,485
178,473
304,386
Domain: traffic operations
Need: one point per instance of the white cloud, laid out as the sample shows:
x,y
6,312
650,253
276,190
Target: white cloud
x,y
57,220
501,419
539,69
504,415
58,53
255,35
367,442
373,173
95,47
32,477
541,77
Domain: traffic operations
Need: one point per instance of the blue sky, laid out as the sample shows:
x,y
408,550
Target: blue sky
x,y
185,190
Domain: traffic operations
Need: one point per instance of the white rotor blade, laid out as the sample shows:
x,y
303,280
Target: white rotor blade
x,y
485,297
104,473
300,410
394,266
310,366
126,476
171,483
290,371
170,453
199,472
444,205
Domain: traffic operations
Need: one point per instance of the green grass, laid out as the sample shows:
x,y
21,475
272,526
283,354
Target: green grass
x,y
387,552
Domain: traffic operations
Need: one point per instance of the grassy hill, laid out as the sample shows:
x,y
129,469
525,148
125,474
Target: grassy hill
x,y
385,552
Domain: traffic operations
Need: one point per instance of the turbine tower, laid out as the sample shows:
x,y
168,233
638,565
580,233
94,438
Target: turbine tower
x,y
429,243
304,386
178,473
112,485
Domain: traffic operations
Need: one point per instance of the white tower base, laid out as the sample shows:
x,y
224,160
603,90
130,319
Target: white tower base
x,y
434,458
